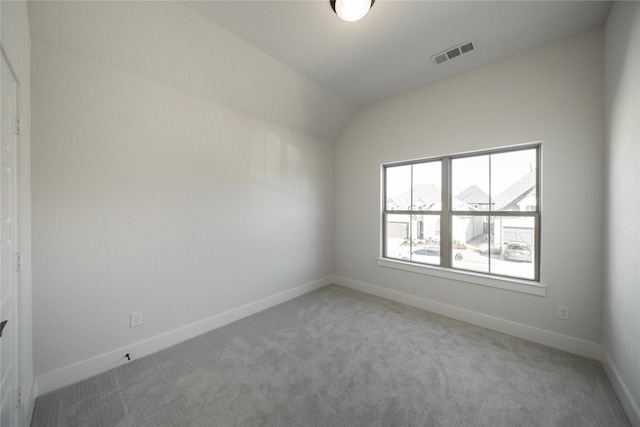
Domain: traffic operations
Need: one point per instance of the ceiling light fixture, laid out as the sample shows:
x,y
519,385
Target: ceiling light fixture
x,y
351,10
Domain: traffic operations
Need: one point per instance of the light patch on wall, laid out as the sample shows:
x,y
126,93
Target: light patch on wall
x,y
257,154
293,169
272,159
297,172
265,156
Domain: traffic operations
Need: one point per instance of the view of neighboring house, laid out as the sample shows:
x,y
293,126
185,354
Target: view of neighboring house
x,y
470,228
425,196
475,197
423,227
521,196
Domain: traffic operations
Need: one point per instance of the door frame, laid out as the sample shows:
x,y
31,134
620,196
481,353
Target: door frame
x,y
18,398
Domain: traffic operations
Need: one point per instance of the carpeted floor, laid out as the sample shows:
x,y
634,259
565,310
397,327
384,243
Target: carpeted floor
x,y
336,357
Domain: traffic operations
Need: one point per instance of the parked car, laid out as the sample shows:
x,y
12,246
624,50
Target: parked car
x,y
429,255
518,251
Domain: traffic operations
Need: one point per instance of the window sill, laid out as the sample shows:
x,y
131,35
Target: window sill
x,y
510,284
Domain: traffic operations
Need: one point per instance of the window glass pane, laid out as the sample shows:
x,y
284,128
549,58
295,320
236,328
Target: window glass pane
x,y
427,186
426,245
470,183
513,180
425,241
426,255
516,237
397,239
398,187
470,249
425,229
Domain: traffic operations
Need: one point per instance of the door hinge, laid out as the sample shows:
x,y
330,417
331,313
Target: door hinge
x,y
18,125
19,397
18,261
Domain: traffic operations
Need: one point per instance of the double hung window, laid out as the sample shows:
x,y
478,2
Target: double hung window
x,y
476,212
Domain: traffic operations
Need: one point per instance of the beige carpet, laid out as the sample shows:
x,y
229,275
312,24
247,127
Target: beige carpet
x,y
336,357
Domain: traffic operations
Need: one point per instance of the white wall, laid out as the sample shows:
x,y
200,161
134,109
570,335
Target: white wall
x,y
16,44
554,95
175,46
621,323
149,198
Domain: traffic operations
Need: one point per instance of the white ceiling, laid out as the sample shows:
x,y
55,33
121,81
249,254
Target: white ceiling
x,y
389,51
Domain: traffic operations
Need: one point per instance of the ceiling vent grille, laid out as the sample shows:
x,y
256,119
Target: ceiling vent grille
x,y
453,52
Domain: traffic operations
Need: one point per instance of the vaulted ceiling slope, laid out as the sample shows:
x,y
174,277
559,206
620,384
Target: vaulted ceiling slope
x,y
294,62
172,45
389,51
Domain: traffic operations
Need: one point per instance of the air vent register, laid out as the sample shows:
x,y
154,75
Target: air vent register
x,y
454,52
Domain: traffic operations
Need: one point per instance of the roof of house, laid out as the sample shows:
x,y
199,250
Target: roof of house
x,y
473,195
423,195
510,197
427,196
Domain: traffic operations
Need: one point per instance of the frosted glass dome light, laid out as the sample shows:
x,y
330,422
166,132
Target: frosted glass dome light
x,y
351,10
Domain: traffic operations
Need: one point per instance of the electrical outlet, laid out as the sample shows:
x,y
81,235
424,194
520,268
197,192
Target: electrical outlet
x,y
136,319
349,266
563,312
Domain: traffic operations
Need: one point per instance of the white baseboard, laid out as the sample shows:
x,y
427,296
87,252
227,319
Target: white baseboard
x,y
630,406
79,371
540,336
